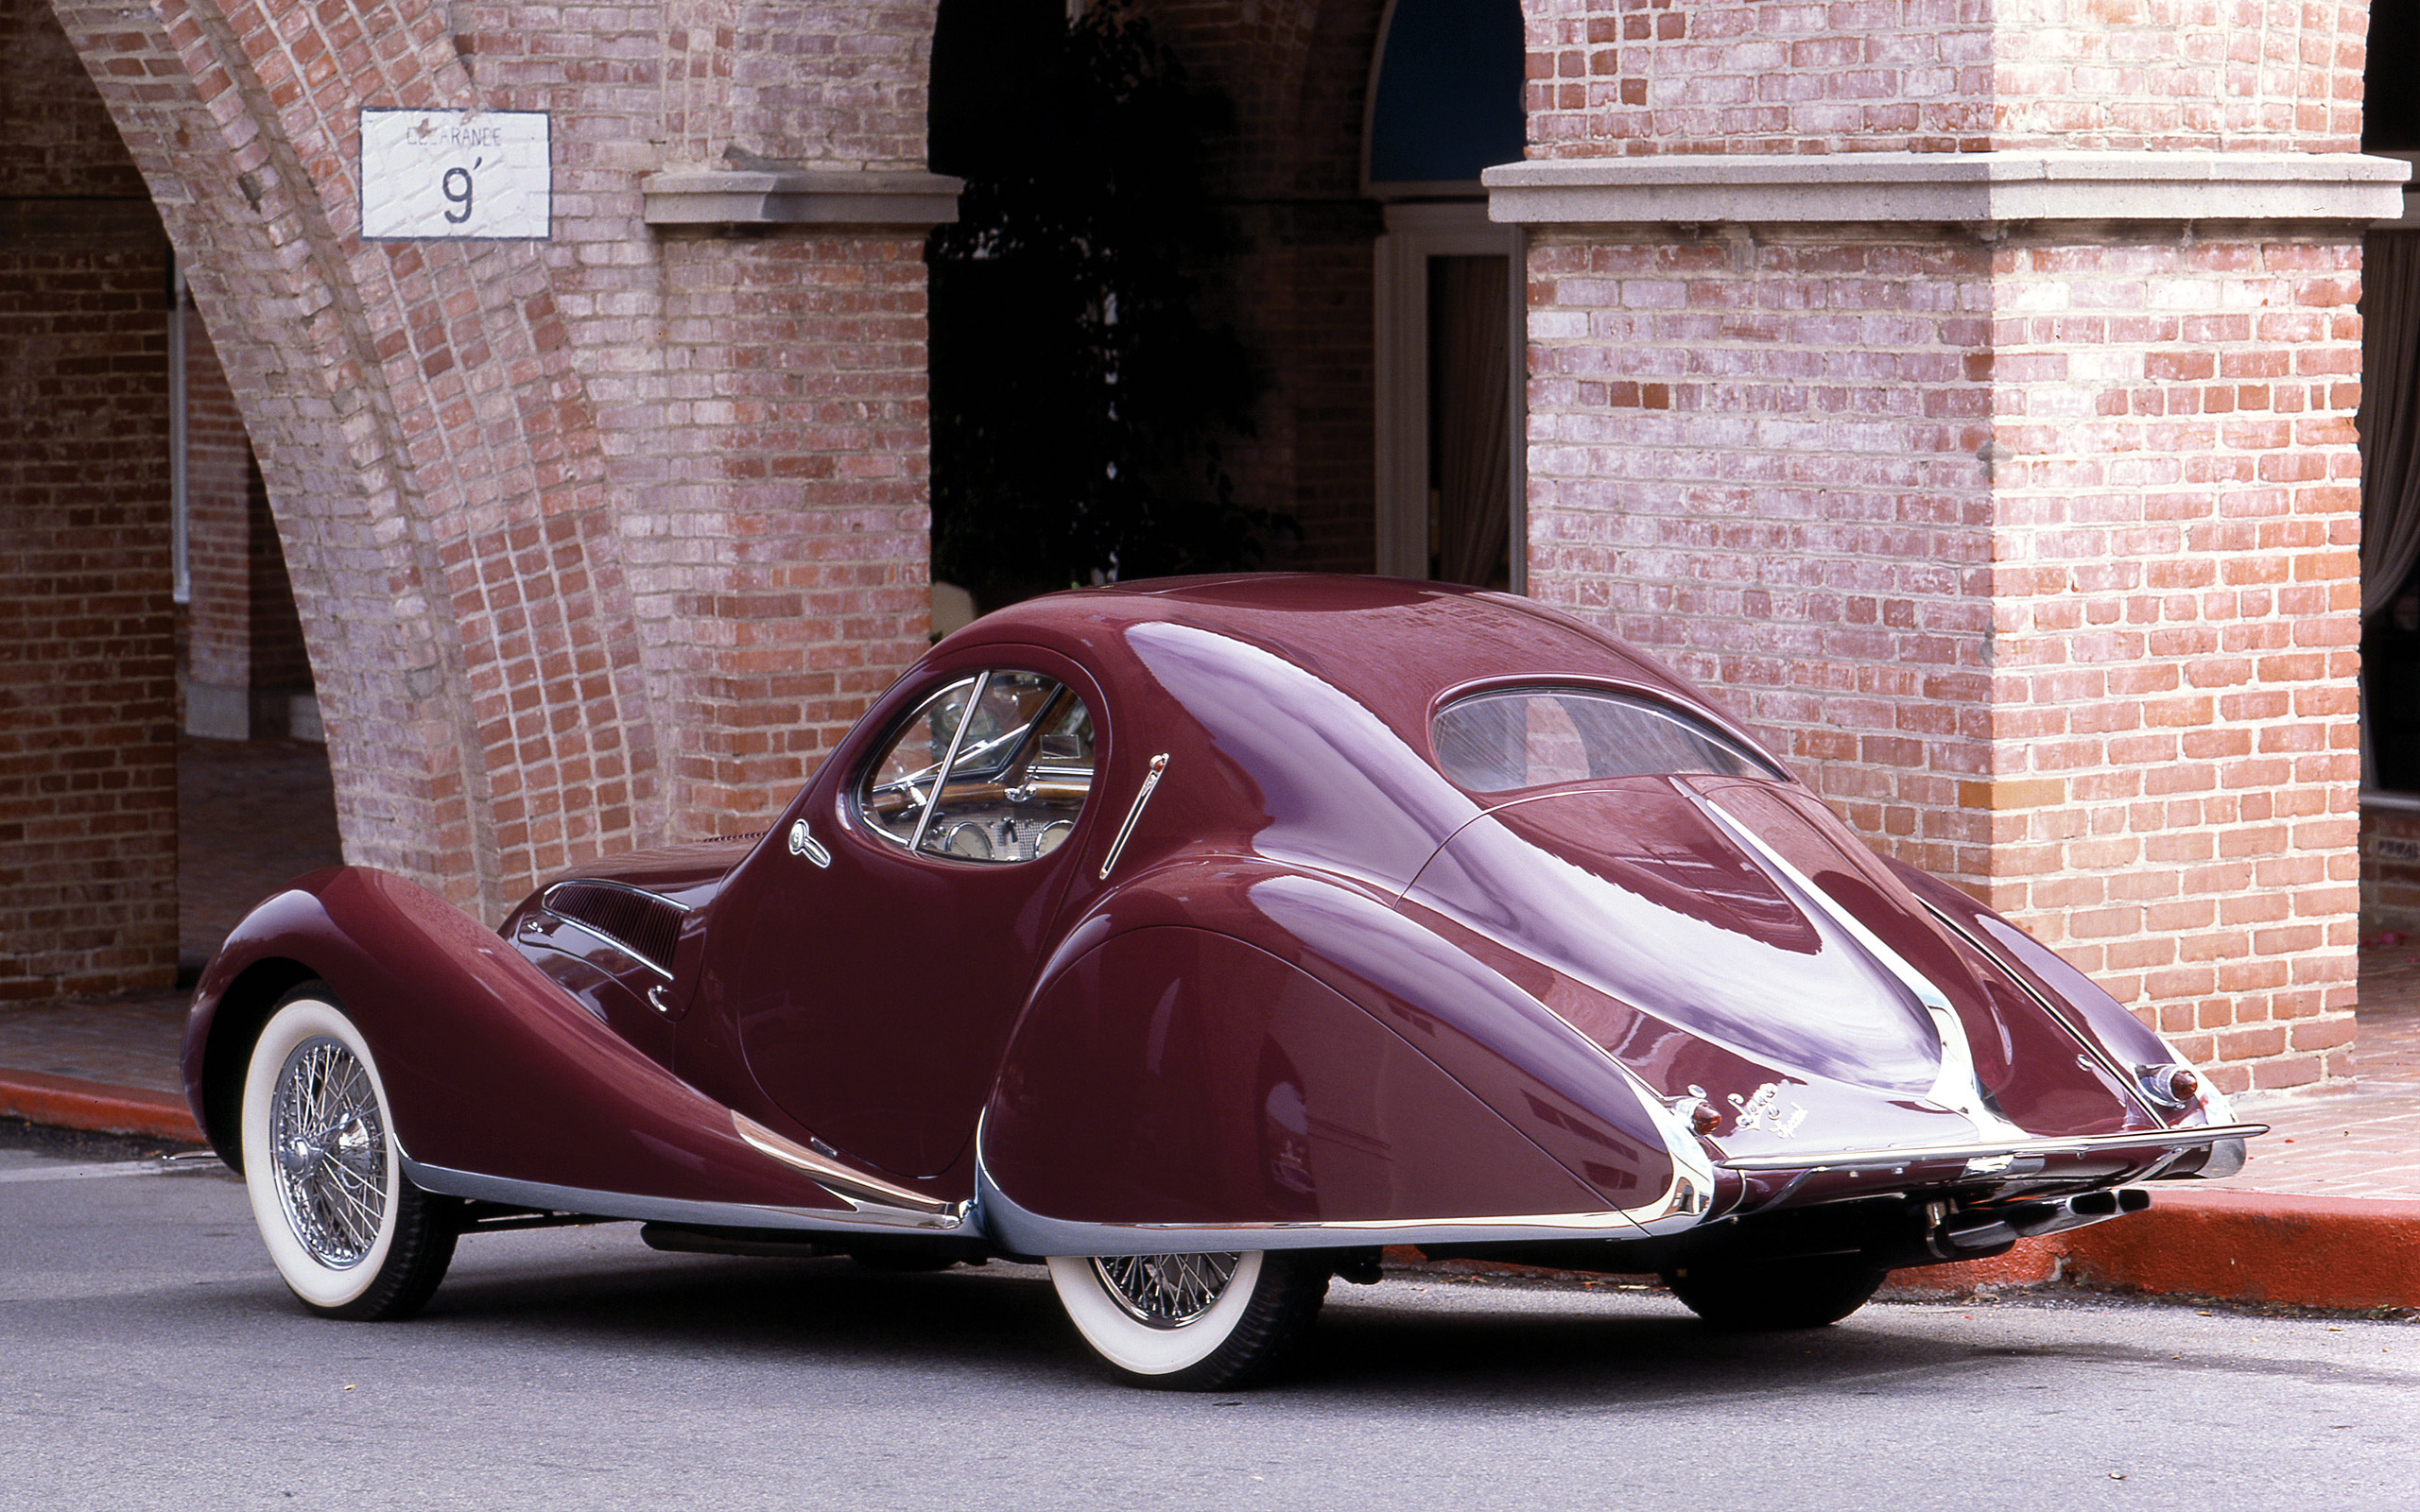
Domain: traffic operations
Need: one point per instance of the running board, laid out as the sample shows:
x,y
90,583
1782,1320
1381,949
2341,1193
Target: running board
x,y
865,1218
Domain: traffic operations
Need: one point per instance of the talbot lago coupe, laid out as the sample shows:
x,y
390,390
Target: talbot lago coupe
x,y
1201,939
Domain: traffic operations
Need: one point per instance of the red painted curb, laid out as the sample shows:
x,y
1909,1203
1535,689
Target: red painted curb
x,y
97,1106
2243,1247
2258,1246
2031,1263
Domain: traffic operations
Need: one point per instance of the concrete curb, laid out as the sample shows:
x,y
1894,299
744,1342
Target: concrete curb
x,y
99,1108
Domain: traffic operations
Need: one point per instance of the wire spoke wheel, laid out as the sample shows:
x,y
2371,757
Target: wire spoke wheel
x,y
350,1236
1167,1290
331,1142
1201,1322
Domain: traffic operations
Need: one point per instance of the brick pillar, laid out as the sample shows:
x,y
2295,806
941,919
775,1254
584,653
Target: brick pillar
x,y
1971,401
800,584
88,839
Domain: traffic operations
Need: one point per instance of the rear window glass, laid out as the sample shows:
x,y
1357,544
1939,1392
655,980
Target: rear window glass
x,y
1537,737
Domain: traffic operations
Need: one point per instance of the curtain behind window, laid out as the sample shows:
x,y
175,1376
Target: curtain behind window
x,y
1471,430
2390,415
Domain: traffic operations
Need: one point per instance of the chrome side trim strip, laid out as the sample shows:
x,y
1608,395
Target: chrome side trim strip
x,y
547,1197
855,1187
2075,1144
1150,781
618,947
1025,1232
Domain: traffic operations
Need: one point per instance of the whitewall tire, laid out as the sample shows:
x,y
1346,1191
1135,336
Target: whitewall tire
x,y
1191,1322
349,1235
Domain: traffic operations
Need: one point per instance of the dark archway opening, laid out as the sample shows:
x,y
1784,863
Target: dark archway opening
x,y
2389,427
1082,397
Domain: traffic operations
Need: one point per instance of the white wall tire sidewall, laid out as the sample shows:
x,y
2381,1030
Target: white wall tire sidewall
x,y
1136,1347
302,1020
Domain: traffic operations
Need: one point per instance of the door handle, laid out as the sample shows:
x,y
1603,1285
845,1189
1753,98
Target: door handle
x,y
804,844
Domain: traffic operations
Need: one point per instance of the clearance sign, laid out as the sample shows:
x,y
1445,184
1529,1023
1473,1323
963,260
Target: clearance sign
x,y
456,175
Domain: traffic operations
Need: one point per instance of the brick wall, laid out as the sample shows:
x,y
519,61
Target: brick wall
x,y
1636,76
245,660
2176,599
597,540
793,492
87,661
1758,456
2033,545
2039,559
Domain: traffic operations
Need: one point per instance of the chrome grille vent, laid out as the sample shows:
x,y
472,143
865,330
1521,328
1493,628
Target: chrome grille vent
x,y
642,923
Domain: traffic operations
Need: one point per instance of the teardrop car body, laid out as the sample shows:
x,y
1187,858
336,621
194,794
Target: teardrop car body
x,y
1204,939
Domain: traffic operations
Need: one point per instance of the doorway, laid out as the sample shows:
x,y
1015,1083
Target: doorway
x,y
1449,452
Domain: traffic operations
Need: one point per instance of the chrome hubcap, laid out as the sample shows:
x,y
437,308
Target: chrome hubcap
x,y
1167,1290
331,1147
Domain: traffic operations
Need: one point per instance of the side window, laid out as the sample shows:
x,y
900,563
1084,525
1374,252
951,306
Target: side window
x,y
993,767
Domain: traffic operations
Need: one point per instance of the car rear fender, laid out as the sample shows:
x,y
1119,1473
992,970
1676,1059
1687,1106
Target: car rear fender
x,y
1201,1056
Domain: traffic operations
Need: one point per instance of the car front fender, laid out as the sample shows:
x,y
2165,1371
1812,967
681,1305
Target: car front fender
x,y
491,1068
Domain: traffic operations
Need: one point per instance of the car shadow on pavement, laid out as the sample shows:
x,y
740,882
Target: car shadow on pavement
x,y
1402,1340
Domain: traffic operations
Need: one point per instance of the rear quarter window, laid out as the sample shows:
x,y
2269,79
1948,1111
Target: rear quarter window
x,y
1514,738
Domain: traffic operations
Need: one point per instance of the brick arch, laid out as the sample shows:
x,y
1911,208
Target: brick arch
x,y
596,540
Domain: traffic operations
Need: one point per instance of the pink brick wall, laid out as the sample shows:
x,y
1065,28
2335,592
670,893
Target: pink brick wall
x,y
597,540
2039,559
88,836
1759,457
2175,600
243,631
787,513
1611,78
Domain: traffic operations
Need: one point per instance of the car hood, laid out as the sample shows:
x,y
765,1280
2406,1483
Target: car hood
x,y
1799,972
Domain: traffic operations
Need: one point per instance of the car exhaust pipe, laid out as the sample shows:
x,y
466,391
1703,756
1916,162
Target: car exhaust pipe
x,y
1998,1228
2077,1212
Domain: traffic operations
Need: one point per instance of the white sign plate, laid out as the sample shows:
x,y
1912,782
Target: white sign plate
x,y
456,175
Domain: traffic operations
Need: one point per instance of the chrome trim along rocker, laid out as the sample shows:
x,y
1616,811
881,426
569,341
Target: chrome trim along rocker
x,y
2166,1140
546,1198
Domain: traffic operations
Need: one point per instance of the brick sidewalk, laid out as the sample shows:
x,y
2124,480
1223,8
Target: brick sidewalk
x,y
2363,1141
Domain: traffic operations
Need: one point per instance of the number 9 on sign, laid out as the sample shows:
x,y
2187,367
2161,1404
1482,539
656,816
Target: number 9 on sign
x,y
456,175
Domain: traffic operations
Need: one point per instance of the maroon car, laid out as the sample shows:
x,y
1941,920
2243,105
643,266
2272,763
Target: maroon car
x,y
1201,939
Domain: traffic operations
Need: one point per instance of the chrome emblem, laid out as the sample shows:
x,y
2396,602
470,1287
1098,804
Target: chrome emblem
x,y
1764,1108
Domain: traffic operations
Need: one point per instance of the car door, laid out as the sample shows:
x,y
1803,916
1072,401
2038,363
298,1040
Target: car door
x,y
916,909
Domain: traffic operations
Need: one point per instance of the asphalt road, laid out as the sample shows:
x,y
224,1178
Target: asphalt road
x,y
154,1361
